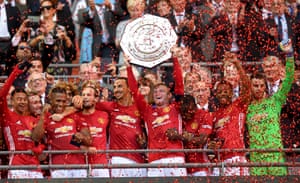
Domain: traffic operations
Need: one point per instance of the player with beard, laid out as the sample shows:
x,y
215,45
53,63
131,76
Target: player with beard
x,y
18,125
263,118
229,122
97,122
125,130
35,104
162,121
66,134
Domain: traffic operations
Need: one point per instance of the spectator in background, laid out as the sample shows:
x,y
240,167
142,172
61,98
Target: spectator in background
x,y
9,25
285,25
145,87
183,22
216,32
102,19
248,38
163,8
205,73
263,119
189,82
202,95
290,123
37,83
53,34
136,9
272,67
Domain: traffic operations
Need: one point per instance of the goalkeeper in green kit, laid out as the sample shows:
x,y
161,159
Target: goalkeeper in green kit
x,y
263,118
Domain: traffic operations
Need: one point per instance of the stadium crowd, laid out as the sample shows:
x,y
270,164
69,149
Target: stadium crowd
x,y
232,83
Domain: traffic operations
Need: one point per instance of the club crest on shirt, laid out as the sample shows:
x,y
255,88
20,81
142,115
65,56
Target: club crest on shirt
x,y
70,120
194,125
100,120
137,113
166,109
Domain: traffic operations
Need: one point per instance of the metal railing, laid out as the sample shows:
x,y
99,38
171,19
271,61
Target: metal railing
x,y
167,64
147,165
187,179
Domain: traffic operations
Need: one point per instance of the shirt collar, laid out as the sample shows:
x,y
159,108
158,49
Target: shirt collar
x,y
205,107
179,13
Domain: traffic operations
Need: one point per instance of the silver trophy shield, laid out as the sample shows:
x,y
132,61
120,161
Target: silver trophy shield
x,y
147,40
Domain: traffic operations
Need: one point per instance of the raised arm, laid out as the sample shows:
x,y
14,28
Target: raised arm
x,y
38,131
281,95
138,98
177,74
245,83
4,90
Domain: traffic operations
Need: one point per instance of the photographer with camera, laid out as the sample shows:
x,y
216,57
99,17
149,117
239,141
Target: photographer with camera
x,y
51,34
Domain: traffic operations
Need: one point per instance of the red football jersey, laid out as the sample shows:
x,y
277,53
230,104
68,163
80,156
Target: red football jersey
x,y
17,129
59,135
200,124
159,120
97,123
125,126
229,124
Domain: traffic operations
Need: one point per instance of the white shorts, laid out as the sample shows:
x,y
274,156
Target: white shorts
x,y
233,171
70,173
167,172
126,172
99,173
199,174
24,174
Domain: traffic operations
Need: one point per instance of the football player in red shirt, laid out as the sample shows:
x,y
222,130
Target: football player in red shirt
x,y
97,122
163,123
66,134
17,126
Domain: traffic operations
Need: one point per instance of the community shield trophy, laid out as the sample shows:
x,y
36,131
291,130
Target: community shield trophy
x,y
147,40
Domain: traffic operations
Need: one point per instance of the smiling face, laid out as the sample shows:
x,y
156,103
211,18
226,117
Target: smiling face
x,y
89,98
161,95
35,105
58,102
121,89
20,103
37,82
